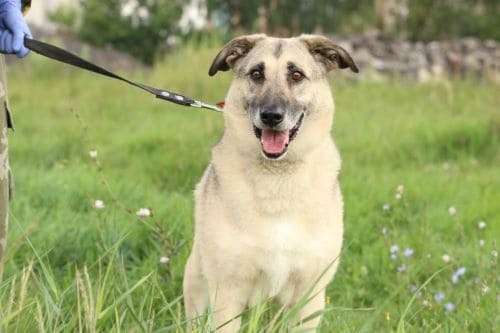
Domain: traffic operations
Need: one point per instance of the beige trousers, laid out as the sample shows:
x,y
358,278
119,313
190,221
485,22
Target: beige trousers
x,y
4,164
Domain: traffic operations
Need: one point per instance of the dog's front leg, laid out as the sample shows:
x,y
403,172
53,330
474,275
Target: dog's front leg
x,y
227,302
195,291
310,315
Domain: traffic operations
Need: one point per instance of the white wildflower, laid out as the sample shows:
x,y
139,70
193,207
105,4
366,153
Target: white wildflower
x,y
485,289
386,207
449,307
408,252
384,231
99,204
398,196
446,258
394,249
394,256
481,224
93,154
481,242
452,211
402,268
494,253
400,189
143,212
164,260
439,297
414,290
457,275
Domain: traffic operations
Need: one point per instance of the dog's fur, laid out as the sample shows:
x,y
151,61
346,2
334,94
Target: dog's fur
x,y
269,226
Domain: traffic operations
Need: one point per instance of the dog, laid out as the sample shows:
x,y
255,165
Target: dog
x,y
268,209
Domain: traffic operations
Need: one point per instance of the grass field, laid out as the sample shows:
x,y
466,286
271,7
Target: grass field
x,y
71,267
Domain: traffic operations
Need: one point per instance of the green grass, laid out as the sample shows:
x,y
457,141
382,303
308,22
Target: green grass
x,y
71,267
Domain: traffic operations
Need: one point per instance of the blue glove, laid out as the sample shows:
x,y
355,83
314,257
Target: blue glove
x,y
13,28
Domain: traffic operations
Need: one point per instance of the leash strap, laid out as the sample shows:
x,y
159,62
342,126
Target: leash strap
x,y
58,54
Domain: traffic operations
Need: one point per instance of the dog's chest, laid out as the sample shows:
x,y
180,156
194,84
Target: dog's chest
x,y
292,229
277,196
286,251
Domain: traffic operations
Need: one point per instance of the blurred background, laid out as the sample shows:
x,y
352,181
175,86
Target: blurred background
x,y
417,39
102,218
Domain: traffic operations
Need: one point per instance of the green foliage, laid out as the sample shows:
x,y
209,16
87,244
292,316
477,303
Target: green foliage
x,y
427,19
142,33
73,268
284,17
65,16
443,19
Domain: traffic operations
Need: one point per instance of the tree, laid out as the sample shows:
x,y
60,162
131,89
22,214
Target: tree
x,y
291,17
138,27
438,19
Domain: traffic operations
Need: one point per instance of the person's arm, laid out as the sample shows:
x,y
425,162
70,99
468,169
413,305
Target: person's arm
x,y
13,28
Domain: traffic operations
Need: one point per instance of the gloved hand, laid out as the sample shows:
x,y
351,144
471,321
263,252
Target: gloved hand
x,y
13,28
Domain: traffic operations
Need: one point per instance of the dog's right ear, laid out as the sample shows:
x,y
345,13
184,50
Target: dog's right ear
x,y
233,51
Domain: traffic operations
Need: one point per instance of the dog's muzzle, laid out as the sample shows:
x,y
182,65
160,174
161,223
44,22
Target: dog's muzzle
x,y
274,142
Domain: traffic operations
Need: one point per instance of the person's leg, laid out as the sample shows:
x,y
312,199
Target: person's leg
x,y
4,167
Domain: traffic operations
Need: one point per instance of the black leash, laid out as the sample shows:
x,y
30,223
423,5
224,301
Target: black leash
x,y
56,53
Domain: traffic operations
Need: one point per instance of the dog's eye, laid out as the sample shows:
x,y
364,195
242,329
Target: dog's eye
x,y
297,76
257,75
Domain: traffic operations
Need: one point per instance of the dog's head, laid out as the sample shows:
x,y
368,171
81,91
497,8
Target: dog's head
x,y
280,92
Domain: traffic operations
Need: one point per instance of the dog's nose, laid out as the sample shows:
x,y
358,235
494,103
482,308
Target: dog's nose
x,y
271,116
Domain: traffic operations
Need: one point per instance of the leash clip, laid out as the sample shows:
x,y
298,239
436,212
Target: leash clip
x,y
198,104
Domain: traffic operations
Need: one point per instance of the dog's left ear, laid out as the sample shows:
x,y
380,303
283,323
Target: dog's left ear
x,y
233,51
328,53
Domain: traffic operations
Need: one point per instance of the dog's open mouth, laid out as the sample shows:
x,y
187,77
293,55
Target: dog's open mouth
x,y
275,143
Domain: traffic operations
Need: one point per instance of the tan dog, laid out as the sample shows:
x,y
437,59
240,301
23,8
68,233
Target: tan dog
x,y
269,208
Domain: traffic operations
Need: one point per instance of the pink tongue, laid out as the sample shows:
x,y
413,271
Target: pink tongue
x,y
274,142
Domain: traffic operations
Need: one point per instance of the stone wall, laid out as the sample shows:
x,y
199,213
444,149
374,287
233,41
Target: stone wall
x,y
422,61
